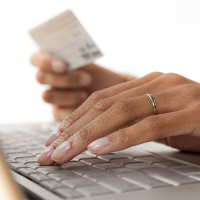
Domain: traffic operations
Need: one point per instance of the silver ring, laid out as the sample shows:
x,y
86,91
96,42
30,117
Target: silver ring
x,y
154,104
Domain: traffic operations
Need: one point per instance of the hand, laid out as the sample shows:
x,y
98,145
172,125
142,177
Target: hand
x,y
121,116
70,89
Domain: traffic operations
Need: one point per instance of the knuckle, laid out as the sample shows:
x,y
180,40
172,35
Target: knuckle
x,y
97,96
123,106
84,134
69,120
191,91
175,79
40,77
156,74
102,105
58,142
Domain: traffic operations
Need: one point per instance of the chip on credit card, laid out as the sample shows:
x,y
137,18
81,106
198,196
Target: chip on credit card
x,y
64,36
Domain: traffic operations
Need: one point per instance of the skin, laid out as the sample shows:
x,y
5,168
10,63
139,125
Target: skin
x,y
121,116
69,89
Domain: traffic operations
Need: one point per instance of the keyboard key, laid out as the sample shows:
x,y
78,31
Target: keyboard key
x,y
104,166
7,151
70,164
27,159
64,175
118,185
110,156
32,165
15,166
21,144
50,184
91,161
169,164
50,169
26,171
144,181
150,159
31,147
78,182
35,151
168,176
187,170
138,166
120,171
10,160
66,193
196,176
92,190
124,161
9,141
38,177
84,170
136,153
19,155
83,156
97,176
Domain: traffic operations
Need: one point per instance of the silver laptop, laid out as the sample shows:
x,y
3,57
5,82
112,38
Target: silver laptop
x,y
148,171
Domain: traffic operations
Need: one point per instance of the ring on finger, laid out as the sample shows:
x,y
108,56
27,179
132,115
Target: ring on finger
x,y
154,103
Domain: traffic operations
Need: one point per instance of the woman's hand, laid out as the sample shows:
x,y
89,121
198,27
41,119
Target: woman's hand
x,y
121,116
70,89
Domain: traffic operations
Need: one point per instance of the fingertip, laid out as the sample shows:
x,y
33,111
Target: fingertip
x,y
98,146
85,79
40,77
58,66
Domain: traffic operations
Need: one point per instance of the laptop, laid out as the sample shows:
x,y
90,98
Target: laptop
x,y
147,171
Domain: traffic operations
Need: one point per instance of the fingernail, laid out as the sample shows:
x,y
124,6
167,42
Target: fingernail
x,y
45,156
84,80
98,144
58,66
61,151
53,136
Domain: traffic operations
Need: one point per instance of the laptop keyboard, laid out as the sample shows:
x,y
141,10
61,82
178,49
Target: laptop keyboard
x,y
87,174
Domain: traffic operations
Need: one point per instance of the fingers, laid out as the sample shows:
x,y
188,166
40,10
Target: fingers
x,y
97,110
65,98
151,128
46,61
114,116
60,113
117,116
106,93
70,80
88,105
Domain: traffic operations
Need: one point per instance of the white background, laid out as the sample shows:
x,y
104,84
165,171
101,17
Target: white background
x,y
136,36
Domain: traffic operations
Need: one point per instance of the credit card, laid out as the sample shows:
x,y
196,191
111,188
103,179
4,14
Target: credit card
x,y
64,36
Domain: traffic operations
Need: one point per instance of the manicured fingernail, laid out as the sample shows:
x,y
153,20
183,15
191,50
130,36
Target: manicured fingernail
x,y
98,144
58,66
45,156
84,80
53,136
61,151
